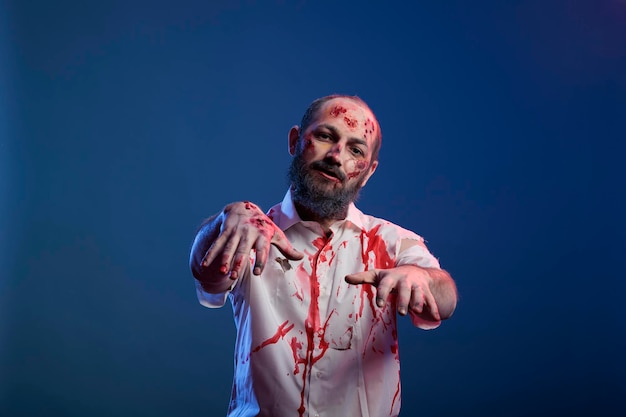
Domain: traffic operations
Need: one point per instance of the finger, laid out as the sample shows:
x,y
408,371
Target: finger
x,y
261,249
417,299
215,249
228,253
432,304
385,286
284,246
365,277
242,254
404,296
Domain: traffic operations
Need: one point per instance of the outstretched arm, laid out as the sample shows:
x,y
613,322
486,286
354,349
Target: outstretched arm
x,y
223,244
428,293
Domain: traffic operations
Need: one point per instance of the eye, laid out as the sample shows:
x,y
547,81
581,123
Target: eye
x,y
323,136
356,151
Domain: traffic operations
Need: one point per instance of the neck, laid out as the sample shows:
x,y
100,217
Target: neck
x,y
307,214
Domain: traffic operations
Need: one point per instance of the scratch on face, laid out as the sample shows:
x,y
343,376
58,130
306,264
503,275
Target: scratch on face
x,y
358,168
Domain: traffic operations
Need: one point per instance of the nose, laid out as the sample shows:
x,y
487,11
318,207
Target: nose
x,y
334,154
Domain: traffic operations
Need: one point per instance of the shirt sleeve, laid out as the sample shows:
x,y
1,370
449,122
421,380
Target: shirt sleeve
x,y
418,255
212,300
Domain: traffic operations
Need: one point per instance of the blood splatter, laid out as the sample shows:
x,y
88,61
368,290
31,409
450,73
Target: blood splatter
x,y
248,205
295,347
377,246
258,222
396,395
283,329
352,123
337,110
320,244
312,324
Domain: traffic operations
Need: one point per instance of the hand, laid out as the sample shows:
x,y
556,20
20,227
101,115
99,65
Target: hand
x,y
410,282
245,227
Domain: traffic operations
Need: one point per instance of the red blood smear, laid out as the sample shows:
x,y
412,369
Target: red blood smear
x,y
358,168
257,221
298,295
295,346
337,110
283,329
247,205
352,123
395,396
354,174
313,322
320,244
377,246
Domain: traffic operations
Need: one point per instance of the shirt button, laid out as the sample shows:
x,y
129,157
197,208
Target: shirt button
x,y
319,375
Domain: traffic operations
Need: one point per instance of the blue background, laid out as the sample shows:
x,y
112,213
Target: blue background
x,y
124,124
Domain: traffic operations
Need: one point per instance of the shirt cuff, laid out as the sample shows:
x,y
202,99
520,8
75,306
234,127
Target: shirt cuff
x,y
422,323
211,300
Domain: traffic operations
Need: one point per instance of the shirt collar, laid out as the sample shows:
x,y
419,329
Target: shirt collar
x,y
289,215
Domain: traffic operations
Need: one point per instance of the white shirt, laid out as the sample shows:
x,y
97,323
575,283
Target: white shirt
x,y
308,343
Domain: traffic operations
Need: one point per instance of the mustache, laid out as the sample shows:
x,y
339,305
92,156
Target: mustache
x,y
329,169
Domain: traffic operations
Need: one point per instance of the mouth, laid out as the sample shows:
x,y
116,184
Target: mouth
x,y
328,175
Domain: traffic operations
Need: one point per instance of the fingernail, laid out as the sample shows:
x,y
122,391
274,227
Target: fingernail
x,y
402,310
224,269
234,275
257,270
380,302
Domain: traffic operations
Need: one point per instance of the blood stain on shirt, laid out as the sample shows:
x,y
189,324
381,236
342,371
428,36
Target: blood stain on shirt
x,y
375,245
396,395
283,329
312,324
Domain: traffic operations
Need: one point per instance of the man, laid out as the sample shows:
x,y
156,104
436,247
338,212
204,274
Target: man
x,y
315,284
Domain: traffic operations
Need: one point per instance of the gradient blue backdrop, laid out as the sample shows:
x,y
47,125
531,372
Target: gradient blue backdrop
x,y
124,124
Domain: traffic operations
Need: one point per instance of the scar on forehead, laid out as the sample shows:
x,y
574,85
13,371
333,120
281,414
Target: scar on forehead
x,y
337,110
352,123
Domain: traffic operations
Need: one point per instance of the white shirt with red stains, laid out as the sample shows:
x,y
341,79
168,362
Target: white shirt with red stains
x,y
308,343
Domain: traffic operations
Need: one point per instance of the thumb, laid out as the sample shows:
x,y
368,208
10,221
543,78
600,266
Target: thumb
x,y
284,246
365,277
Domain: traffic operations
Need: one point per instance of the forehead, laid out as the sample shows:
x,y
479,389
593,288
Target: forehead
x,y
344,107
350,117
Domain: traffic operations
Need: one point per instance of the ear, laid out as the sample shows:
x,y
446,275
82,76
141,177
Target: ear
x,y
294,134
372,168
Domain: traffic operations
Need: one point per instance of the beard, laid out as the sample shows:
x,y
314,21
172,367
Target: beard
x,y
322,199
